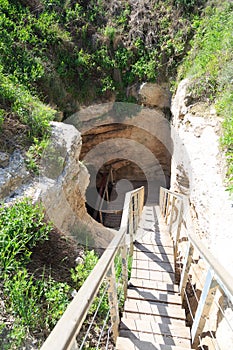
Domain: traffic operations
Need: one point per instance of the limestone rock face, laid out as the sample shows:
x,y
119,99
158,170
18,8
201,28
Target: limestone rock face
x,y
63,183
198,171
198,168
154,95
13,175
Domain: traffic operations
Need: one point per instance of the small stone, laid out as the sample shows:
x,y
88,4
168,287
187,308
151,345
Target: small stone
x,y
79,260
4,159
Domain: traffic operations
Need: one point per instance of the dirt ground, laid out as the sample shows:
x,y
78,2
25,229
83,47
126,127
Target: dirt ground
x,y
55,257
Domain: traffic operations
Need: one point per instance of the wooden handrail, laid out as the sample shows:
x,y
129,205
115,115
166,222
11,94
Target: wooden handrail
x,y
222,275
63,335
216,275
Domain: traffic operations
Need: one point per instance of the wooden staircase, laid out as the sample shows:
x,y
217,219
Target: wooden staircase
x,y
153,317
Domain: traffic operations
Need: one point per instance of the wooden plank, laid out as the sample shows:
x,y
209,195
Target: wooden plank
x,y
154,308
153,275
156,338
135,344
153,257
153,248
186,267
204,306
113,301
153,295
164,329
169,287
153,318
152,265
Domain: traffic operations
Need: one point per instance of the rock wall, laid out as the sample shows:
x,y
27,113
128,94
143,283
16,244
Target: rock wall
x,y
198,169
61,186
63,183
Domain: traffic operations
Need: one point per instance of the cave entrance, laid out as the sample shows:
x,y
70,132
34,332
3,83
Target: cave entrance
x,y
121,158
105,197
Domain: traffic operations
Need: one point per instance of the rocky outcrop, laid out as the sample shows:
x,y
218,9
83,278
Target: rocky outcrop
x,y
61,186
155,95
63,183
13,173
198,170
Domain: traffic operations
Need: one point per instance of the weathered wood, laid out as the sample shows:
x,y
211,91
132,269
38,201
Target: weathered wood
x,y
204,306
156,338
124,267
113,301
153,318
153,257
153,295
186,267
139,247
154,308
171,214
152,265
136,344
164,329
178,230
162,276
158,285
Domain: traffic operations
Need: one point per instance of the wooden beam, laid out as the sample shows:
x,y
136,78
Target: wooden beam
x,y
186,267
113,301
204,306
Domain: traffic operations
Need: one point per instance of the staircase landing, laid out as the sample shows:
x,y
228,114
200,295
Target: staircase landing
x,y
153,318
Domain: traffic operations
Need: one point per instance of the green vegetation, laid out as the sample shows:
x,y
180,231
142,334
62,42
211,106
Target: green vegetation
x,y
35,304
210,65
56,55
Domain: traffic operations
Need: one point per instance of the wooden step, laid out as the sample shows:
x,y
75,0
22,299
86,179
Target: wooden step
x,y
155,239
163,286
154,308
139,255
153,265
153,295
153,318
149,326
155,338
162,276
135,344
153,248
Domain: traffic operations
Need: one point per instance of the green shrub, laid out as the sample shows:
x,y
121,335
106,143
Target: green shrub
x,y
21,227
36,305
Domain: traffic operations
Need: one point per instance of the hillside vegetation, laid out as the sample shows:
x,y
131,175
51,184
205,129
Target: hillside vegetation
x,y
210,66
56,55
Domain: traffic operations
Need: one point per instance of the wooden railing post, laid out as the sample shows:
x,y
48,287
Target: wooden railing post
x,y
113,301
171,214
204,306
131,229
178,230
124,267
186,267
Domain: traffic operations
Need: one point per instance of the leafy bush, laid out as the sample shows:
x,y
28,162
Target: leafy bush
x,y
21,227
35,305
